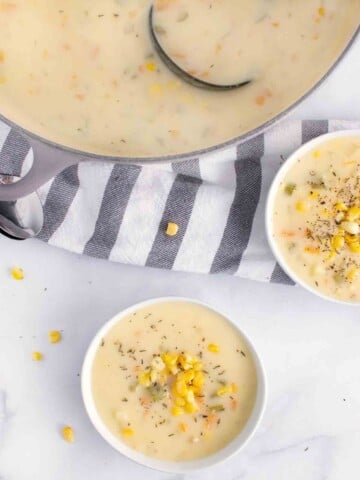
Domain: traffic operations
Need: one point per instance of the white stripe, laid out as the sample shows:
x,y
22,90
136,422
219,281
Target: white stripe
x,y
210,213
4,132
335,125
258,262
79,223
28,161
142,217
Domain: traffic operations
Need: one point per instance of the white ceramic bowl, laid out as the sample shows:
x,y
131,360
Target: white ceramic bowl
x,y
172,467
279,177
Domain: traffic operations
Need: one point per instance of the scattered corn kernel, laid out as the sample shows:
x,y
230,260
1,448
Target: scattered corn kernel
x,y
17,273
54,336
156,89
316,154
234,388
179,401
172,229
68,434
321,11
37,356
213,348
127,432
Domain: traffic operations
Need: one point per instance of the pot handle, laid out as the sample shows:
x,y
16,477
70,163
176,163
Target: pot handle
x,y
48,162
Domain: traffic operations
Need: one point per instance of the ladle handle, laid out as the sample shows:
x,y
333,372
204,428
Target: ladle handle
x,y
48,162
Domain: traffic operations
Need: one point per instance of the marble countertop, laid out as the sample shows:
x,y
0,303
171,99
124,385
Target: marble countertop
x,y
310,348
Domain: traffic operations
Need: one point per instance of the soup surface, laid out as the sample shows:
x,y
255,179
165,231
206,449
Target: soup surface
x,y
84,74
316,220
174,380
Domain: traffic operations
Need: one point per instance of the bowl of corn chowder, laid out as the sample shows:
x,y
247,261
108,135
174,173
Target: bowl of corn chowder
x,y
88,81
313,216
173,385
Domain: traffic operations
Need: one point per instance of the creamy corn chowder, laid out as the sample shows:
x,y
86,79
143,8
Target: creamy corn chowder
x,y
316,218
84,74
174,381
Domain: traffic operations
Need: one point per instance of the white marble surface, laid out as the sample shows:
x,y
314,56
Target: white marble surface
x,y
311,351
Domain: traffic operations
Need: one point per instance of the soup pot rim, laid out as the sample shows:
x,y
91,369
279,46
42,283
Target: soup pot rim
x,y
162,465
196,153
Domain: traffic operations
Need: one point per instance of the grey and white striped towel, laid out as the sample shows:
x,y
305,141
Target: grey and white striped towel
x,y
119,212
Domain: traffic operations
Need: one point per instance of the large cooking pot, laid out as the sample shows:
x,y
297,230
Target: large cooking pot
x,y
51,158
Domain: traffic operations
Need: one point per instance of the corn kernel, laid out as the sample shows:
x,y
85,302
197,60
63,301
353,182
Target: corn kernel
x,y
176,410
316,154
151,67
144,379
337,242
179,401
331,255
301,207
54,336
169,359
355,247
189,375
223,390
353,214
213,348
181,388
37,356
199,379
341,207
172,229
17,273
321,11
68,434
190,397
234,388
127,432
353,274
314,194
191,408
198,366
183,427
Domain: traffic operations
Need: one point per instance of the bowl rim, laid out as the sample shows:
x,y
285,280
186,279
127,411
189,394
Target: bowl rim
x,y
285,167
162,465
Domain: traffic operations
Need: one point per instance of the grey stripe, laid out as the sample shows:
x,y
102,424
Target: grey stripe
x,y
248,187
189,167
313,128
178,208
59,200
279,276
13,153
113,206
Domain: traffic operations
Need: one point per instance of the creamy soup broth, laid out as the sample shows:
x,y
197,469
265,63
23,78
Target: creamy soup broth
x,y
84,74
316,220
154,415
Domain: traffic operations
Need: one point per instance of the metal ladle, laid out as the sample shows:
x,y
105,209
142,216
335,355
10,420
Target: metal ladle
x,y
23,218
177,70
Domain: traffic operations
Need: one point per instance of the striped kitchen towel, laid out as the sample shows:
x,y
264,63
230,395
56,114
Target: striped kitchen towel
x,y
120,212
